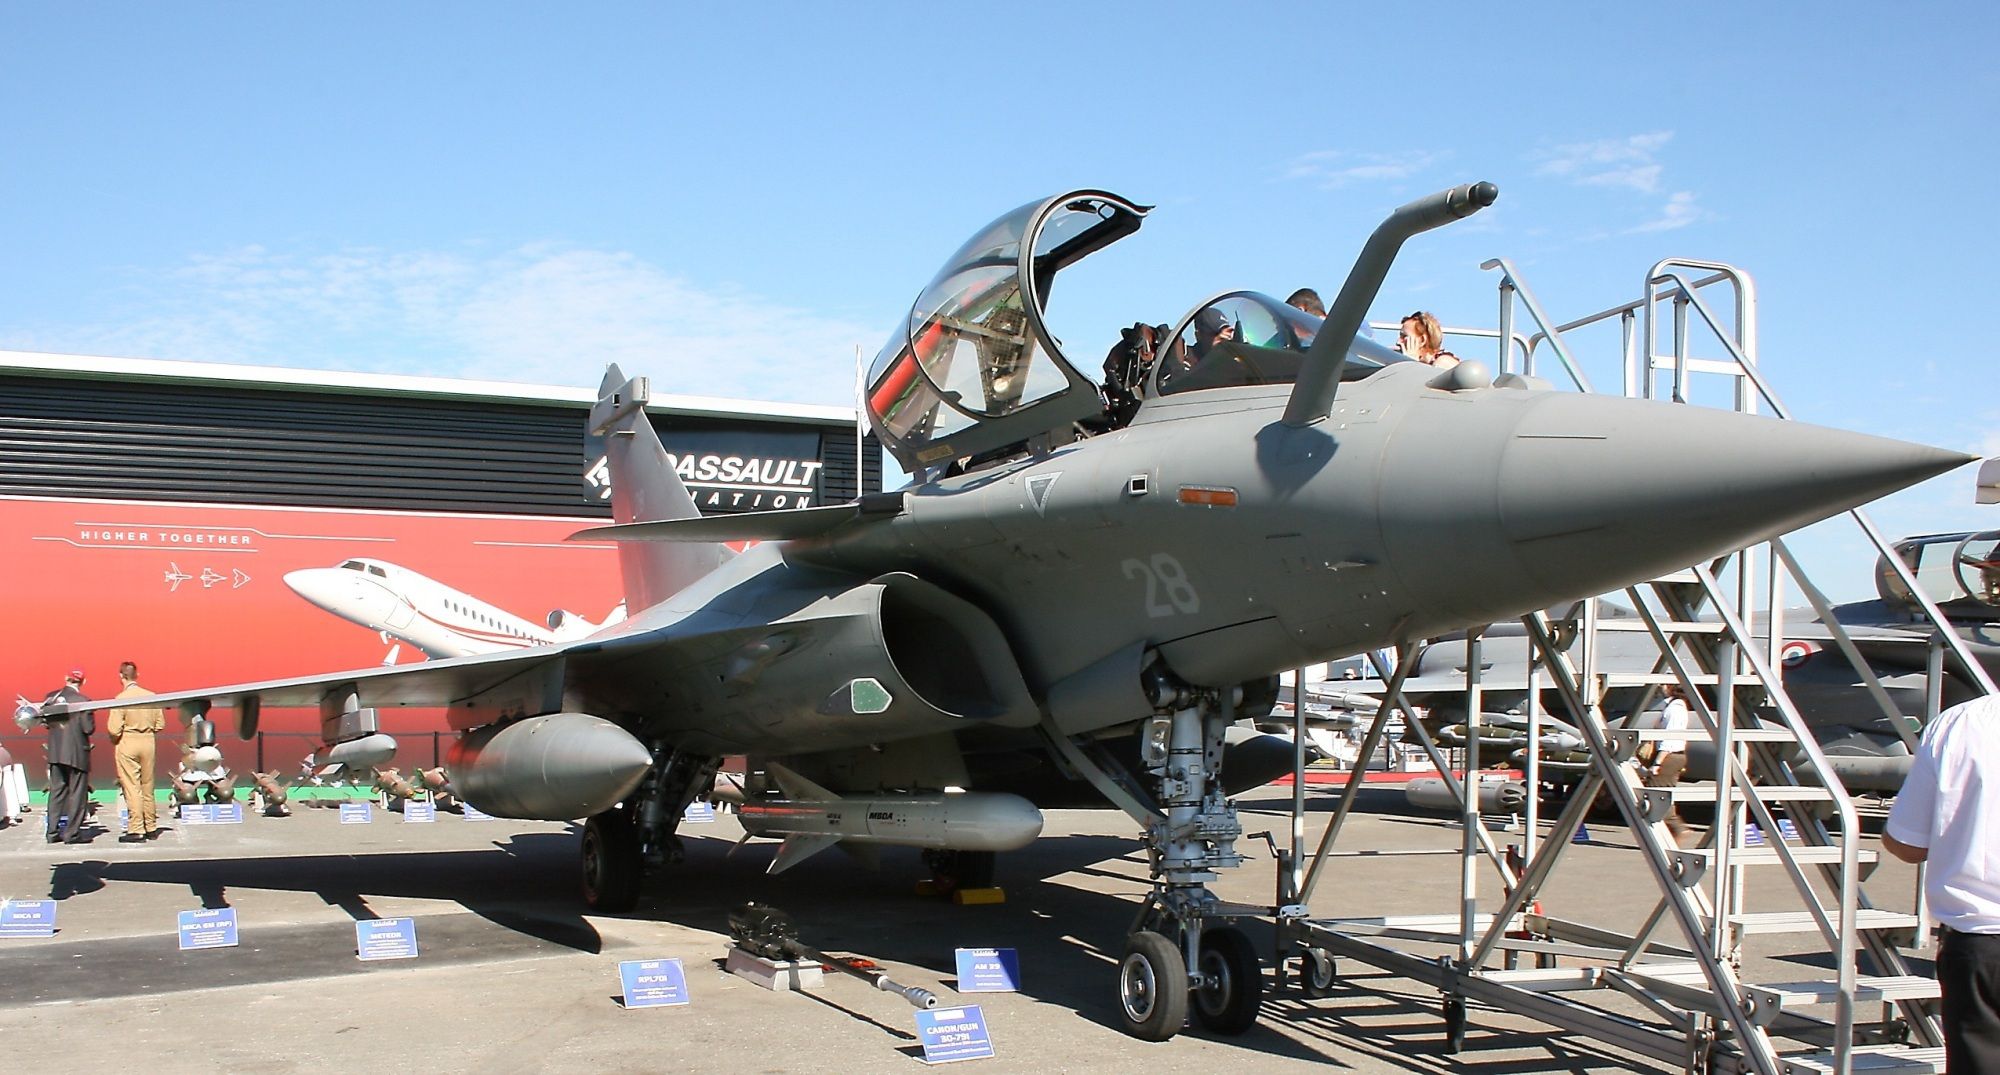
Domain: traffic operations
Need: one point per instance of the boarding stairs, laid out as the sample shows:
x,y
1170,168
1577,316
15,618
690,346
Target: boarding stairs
x,y
1784,832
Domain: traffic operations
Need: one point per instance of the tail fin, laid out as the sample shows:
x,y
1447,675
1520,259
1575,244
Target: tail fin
x,y
643,488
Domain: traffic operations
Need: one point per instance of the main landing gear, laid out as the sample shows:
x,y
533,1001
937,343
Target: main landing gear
x,y
1181,956
621,844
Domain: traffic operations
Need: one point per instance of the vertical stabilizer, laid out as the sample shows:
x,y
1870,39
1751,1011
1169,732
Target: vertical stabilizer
x,y
644,489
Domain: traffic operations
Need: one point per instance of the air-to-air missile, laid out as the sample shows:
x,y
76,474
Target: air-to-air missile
x,y
560,765
811,818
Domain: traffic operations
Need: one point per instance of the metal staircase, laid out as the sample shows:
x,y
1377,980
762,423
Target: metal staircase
x,y
1783,826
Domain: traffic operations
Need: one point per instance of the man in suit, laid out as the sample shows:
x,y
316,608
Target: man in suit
x,y
69,763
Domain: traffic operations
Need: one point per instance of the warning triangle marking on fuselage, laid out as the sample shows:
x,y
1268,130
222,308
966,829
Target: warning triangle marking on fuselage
x,y
1038,490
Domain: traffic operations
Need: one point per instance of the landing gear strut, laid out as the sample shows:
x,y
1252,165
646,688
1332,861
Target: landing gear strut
x,y
1175,957
621,844
611,872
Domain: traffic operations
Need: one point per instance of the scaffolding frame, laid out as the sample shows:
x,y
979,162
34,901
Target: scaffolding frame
x,y
1771,774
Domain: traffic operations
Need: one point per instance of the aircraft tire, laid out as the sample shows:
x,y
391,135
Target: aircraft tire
x,y
1317,973
610,863
1152,987
1233,986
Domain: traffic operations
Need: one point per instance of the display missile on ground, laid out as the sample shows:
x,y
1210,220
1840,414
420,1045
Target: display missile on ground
x,y
1496,796
558,767
812,819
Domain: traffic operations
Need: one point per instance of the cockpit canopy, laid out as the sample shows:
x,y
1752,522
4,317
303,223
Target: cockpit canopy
x,y
1247,338
1961,572
975,368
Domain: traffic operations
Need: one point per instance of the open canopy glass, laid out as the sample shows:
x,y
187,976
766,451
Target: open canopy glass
x,y
974,368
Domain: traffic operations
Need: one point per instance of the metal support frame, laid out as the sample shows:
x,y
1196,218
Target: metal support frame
x,y
1683,963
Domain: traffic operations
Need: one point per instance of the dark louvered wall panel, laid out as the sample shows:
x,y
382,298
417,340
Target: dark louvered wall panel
x,y
67,437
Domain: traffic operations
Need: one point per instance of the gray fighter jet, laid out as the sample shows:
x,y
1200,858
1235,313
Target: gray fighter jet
x,y
1059,593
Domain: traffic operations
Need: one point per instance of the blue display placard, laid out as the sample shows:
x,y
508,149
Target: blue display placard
x,y
386,938
473,813
229,813
950,1034
27,918
194,813
210,927
1753,835
653,983
699,813
357,812
414,811
988,970
1787,830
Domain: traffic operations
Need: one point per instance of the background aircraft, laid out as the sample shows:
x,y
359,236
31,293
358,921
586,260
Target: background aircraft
x,y
1101,606
1959,572
437,619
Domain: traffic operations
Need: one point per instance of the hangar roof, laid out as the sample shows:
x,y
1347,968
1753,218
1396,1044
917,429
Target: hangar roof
x,y
389,384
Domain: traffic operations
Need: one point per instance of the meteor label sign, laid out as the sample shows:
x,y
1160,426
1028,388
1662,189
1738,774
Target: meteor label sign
x,y
385,938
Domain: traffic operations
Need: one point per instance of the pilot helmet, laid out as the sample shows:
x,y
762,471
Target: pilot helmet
x,y
1210,321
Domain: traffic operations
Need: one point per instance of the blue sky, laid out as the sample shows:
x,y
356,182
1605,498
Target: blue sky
x,y
734,200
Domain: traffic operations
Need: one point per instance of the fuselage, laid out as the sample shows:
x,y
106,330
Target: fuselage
x,y
1231,546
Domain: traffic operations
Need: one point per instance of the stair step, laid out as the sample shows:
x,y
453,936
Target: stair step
x,y
1690,627
1870,1058
1661,679
1804,922
1736,735
1779,995
1691,865
1684,985
1770,793
1768,856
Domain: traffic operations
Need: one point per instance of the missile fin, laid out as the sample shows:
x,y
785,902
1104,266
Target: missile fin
x,y
798,788
798,848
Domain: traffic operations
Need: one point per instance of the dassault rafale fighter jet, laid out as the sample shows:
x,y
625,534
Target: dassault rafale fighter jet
x,y
1096,592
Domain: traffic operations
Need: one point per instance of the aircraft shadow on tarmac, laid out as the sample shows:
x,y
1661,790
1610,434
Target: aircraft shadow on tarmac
x,y
1066,933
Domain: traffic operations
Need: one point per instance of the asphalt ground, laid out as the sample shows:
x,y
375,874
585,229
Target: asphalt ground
x,y
512,976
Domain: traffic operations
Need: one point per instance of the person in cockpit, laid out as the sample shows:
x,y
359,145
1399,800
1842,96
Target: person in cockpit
x,y
1307,299
1211,326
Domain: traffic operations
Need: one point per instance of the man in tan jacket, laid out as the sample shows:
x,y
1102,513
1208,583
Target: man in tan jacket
x,y
132,738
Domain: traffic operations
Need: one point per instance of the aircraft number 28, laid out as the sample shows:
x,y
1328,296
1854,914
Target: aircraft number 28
x,y
1168,590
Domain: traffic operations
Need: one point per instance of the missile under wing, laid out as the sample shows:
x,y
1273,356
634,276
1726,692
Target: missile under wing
x,y
1052,582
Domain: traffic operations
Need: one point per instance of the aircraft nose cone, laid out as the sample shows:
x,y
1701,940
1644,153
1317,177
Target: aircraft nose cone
x,y
1604,492
311,584
1507,502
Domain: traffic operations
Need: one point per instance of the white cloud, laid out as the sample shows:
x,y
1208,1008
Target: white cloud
x,y
539,313
1330,168
1610,162
1679,212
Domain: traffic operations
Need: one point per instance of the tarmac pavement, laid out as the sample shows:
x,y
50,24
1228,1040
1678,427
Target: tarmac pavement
x,y
512,976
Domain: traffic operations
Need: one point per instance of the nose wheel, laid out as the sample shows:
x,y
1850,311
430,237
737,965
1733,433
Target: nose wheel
x,y
1152,987
1232,981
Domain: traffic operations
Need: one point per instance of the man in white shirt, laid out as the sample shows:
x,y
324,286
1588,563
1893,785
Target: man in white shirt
x,y
1948,814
